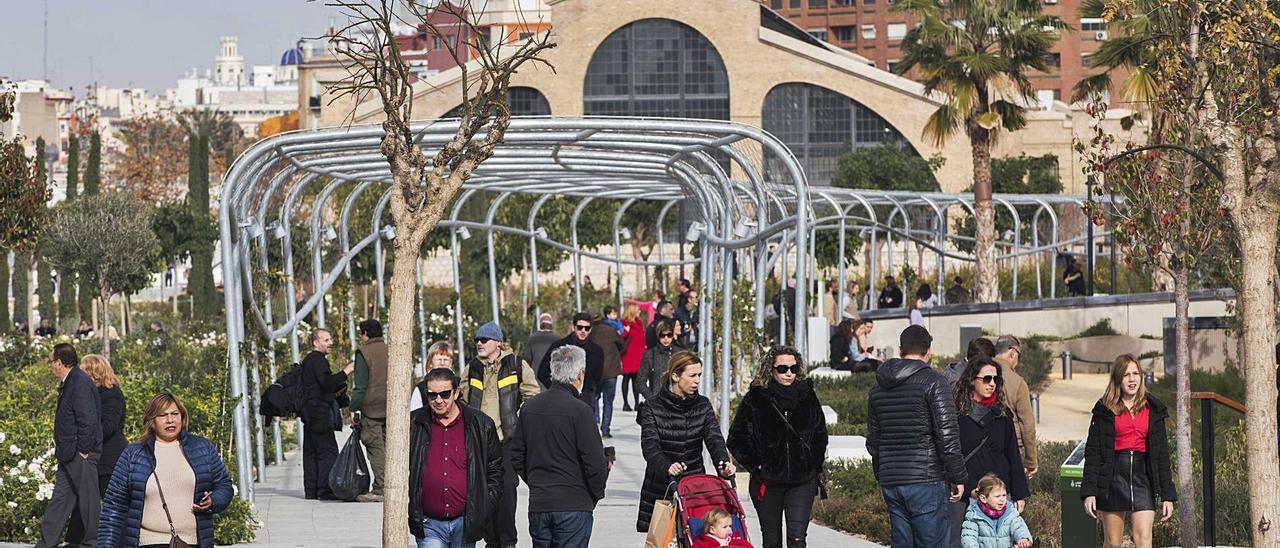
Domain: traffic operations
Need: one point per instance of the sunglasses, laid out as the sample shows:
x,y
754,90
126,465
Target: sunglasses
x,y
784,369
482,340
582,327
666,335
446,395
988,379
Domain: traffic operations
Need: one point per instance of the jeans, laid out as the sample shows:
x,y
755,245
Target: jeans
x,y
608,389
794,500
444,534
560,529
919,514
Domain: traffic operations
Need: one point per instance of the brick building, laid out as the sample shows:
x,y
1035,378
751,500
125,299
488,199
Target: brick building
x,y
871,29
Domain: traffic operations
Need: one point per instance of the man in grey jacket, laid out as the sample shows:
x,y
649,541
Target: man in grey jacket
x,y
77,434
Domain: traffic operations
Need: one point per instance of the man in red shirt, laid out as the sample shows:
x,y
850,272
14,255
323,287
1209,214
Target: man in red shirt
x,y
455,466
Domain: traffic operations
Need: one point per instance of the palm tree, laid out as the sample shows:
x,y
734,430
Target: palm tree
x,y
978,53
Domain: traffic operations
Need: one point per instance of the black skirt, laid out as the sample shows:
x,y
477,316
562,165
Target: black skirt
x,y
1130,485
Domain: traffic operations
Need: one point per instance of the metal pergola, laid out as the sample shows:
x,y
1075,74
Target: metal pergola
x,y
745,220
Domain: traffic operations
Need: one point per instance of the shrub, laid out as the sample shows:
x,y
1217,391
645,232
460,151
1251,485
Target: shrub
x,y
1101,329
848,397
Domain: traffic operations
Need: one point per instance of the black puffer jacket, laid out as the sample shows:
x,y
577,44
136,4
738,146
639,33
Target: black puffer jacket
x,y
764,446
674,429
1100,453
484,469
912,433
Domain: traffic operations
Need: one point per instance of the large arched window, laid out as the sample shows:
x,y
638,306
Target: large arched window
x,y
657,67
817,124
523,101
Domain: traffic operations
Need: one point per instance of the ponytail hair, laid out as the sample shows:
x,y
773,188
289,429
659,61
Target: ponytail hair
x,y
987,484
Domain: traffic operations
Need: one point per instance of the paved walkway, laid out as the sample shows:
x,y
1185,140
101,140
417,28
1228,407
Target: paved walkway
x,y
290,521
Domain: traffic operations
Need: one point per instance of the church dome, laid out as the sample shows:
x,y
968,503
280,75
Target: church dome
x,y
291,56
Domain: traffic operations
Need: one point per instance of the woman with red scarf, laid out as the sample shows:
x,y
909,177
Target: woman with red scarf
x,y
987,438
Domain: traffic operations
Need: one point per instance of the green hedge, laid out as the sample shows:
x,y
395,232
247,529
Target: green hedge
x,y
192,367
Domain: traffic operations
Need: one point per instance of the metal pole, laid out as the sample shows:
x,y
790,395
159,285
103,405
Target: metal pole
x,y
726,329
421,369
1066,365
1111,234
461,349
680,224
533,256
493,270
231,302
1207,465
617,247
784,246
1088,223
577,253
259,445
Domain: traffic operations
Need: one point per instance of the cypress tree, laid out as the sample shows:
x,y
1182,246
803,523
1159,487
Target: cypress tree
x,y
204,297
44,282
92,183
21,285
67,309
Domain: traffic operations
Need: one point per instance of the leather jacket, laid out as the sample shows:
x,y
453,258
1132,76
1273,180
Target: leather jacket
x,y
912,432
484,469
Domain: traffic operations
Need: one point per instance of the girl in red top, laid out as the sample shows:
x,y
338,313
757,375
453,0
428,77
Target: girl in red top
x,y
719,531
1126,458
633,334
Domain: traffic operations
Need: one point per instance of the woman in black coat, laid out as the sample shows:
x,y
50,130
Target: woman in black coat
x,y
838,355
674,426
779,435
987,438
112,418
1126,458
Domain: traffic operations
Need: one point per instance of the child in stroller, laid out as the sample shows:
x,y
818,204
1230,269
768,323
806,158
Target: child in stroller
x,y
719,531
710,514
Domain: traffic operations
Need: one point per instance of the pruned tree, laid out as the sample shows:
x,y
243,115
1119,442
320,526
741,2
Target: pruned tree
x,y
979,53
423,185
107,240
92,184
151,164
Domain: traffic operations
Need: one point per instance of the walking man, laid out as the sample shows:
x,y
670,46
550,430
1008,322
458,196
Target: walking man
x,y
556,450
914,440
1008,353
611,345
540,341
77,436
369,402
580,337
455,466
319,445
499,383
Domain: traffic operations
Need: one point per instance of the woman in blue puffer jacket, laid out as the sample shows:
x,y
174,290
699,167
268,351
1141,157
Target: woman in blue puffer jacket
x,y
167,463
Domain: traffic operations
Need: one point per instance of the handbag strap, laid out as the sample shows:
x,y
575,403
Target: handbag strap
x,y
164,504
974,451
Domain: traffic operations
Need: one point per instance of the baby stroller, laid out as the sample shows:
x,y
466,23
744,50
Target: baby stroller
x,y
698,493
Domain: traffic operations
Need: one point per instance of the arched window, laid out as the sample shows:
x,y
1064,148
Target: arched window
x,y
817,124
657,67
523,101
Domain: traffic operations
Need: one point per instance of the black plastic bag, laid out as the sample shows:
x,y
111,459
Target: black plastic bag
x,y
350,477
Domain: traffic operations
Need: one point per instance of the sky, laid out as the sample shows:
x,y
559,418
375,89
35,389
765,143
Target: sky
x,y
147,43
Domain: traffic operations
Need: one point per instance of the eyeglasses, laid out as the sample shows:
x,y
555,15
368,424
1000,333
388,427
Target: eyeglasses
x,y
482,340
582,327
784,369
988,379
446,395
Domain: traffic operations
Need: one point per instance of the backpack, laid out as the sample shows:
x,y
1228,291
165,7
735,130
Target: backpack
x,y
286,396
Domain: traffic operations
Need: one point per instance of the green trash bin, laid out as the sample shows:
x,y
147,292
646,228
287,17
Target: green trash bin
x,y
1078,529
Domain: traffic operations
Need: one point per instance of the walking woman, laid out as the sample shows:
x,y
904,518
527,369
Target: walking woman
x,y
633,334
113,442
168,484
779,435
653,365
987,438
674,426
1126,458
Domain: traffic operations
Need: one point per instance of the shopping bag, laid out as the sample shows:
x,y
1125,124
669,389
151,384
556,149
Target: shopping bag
x,y
349,477
662,526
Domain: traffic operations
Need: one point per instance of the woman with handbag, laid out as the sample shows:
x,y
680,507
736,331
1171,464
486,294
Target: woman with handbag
x,y
779,435
166,486
674,426
987,438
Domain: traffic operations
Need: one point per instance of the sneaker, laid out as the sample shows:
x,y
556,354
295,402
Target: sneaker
x,y
369,497
606,435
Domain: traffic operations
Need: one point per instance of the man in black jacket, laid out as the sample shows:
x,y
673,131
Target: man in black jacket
x,y
557,451
580,337
444,437
540,341
319,445
914,440
77,436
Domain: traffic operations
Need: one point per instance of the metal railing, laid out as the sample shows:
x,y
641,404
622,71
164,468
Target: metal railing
x,y
1207,401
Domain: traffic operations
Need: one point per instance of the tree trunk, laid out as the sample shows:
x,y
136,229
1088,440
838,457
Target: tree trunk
x,y
987,279
105,295
1255,224
1182,429
400,323
6,325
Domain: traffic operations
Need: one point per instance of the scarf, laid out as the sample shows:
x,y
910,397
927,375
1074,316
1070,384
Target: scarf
x,y
988,402
993,514
788,398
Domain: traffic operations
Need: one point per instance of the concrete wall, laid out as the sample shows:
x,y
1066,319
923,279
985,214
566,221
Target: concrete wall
x,y
1058,317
